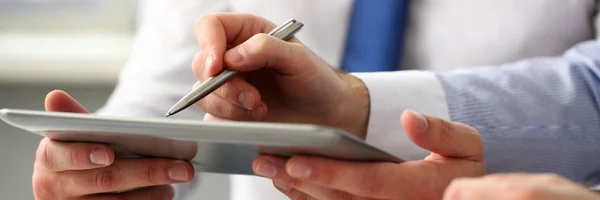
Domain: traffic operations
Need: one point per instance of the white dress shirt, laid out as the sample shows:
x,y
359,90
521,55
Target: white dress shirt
x,y
441,35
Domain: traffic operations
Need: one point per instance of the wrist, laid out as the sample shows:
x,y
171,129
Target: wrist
x,y
354,111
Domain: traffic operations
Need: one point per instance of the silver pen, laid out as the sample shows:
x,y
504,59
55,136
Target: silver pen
x,y
284,32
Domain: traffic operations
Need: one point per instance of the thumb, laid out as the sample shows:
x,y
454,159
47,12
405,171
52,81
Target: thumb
x,y
60,101
448,139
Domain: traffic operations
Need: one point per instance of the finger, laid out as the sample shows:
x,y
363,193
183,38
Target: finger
x,y
211,118
162,192
274,168
60,101
238,92
382,180
263,50
294,188
60,156
449,139
126,174
222,108
215,31
360,179
388,180
309,190
204,66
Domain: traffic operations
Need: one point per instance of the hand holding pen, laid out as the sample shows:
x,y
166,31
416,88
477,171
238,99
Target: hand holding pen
x,y
284,32
278,81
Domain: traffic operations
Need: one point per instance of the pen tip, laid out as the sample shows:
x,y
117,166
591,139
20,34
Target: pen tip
x,y
168,114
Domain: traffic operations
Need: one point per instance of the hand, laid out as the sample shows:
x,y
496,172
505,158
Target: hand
x,y
457,151
283,81
517,186
69,170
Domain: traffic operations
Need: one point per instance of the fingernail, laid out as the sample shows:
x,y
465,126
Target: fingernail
x,y
422,124
178,172
258,112
99,156
300,170
282,186
235,55
246,100
266,169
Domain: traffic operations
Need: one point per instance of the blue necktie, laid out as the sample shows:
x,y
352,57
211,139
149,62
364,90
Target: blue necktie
x,y
375,35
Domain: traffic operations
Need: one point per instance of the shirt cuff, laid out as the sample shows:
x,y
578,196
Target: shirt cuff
x,y
390,94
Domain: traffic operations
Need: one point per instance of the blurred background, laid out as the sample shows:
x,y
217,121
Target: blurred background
x,y
75,45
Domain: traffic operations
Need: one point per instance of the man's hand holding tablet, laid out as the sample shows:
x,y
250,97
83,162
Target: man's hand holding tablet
x,y
90,171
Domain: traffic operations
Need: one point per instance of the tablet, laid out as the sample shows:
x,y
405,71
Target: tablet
x,y
218,147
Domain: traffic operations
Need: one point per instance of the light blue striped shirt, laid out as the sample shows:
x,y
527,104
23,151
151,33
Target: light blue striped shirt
x,y
536,115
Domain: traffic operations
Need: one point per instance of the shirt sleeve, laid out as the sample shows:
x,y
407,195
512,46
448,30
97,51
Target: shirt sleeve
x,y
158,71
390,94
534,115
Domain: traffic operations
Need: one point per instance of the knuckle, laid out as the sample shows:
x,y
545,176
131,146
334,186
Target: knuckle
x,y
262,42
327,178
458,126
294,183
197,68
440,135
218,107
105,179
74,157
215,106
211,104
231,110
301,49
446,128
43,157
475,139
471,129
371,183
221,109
225,90
151,174
259,46
203,19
